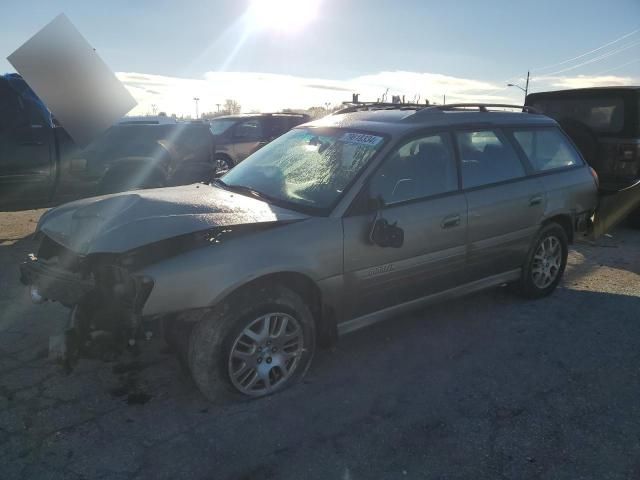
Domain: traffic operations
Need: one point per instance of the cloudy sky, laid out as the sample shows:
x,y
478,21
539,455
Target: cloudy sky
x,y
273,54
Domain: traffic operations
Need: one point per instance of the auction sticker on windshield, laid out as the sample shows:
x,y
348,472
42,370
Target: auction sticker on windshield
x,y
361,139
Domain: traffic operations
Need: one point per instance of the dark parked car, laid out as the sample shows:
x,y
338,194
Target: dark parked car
x,y
335,225
604,123
238,136
40,163
134,155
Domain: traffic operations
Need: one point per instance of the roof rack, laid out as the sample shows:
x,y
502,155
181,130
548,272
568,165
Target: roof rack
x,y
482,107
350,107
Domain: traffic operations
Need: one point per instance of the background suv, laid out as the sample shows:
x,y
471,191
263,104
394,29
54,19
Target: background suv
x,y
333,226
604,123
238,136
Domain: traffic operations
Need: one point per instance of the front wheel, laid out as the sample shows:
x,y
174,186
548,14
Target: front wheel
x,y
545,262
253,345
222,165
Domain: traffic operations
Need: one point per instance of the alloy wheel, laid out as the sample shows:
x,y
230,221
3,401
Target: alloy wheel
x,y
265,354
221,167
547,261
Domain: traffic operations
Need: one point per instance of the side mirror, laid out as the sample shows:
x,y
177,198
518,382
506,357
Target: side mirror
x,y
385,234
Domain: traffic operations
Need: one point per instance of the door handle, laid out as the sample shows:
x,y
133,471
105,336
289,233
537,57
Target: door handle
x,y
33,143
450,221
535,200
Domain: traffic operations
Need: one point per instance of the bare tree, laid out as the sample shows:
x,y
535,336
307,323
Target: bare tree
x,y
231,107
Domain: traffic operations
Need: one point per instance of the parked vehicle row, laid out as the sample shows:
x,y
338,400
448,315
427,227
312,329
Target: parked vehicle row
x,y
333,226
238,136
40,163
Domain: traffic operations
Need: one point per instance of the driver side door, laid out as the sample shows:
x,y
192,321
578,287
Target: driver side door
x,y
419,187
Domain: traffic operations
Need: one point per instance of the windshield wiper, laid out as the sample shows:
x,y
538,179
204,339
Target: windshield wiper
x,y
248,190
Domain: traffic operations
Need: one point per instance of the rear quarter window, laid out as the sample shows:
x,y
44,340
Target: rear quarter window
x,y
547,149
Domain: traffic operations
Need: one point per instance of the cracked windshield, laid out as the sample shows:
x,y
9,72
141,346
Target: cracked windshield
x,y
306,167
319,239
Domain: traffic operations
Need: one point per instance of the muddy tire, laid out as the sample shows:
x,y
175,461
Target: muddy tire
x,y
256,343
545,264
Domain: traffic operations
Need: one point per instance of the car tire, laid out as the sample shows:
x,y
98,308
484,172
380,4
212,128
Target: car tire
x,y
222,164
231,358
544,265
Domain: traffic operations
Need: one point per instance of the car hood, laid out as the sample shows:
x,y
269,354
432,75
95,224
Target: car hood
x,y
124,221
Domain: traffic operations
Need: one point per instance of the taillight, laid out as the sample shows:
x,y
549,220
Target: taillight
x,y
595,177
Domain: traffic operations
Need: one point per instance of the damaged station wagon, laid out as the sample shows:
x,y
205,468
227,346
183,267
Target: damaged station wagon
x,y
338,224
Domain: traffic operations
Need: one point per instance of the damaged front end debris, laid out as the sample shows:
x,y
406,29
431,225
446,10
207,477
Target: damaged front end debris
x,y
105,298
105,291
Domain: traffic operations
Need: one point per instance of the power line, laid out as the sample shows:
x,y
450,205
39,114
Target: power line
x,y
587,53
595,59
582,55
618,67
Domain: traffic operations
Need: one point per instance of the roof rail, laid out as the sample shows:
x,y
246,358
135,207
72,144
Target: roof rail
x,y
350,107
482,107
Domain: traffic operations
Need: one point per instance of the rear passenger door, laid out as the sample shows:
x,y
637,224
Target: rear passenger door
x,y
505,206
248,136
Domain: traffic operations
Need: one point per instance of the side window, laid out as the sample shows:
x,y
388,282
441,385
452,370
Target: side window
x,y
487,158
276,126
546,149
419,168
249,130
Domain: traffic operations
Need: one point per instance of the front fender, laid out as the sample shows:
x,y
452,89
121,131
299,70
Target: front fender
x,y
203,277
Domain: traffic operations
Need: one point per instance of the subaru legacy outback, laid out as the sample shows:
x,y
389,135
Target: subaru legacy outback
x,y
335,225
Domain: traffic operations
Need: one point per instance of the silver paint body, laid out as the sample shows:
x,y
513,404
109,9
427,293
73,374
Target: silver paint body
x,y
360,281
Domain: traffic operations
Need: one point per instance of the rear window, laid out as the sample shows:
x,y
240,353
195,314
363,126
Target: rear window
x,y
601,114
546,149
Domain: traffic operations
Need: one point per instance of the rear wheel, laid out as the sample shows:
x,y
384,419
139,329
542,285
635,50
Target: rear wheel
x,y
545,262
222,165
253,345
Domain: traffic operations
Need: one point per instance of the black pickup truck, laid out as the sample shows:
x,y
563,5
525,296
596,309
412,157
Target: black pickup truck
x,y
40,164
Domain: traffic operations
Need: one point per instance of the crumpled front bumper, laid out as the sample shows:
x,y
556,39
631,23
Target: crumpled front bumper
x,y
51,282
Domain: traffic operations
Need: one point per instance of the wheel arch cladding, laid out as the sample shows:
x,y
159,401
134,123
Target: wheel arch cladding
x,y
326,330
565,222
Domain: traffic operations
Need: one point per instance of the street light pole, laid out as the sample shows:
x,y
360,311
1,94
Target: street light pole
x,y
196,99
525,89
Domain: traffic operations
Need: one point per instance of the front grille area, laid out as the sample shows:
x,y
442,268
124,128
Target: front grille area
x,y
67,259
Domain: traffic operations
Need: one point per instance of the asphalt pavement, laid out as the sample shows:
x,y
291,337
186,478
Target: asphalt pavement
x,y
489,386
